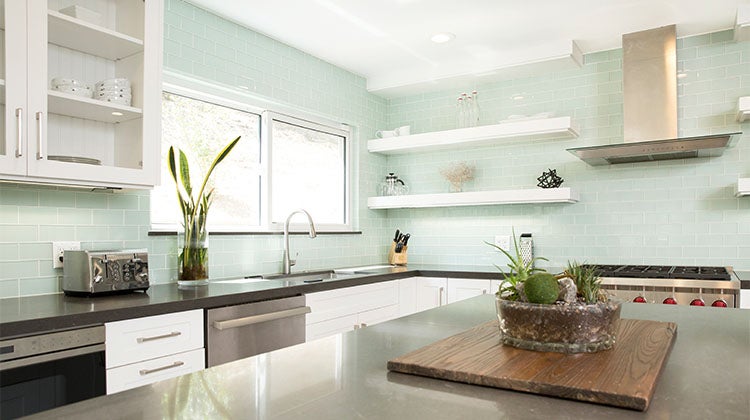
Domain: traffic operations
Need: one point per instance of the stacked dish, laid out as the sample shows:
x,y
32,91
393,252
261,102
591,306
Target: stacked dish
x,y
117,91
72,86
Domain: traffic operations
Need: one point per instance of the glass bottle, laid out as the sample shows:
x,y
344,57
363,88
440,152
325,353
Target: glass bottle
x,y
469,112
460,112
475,111
465,107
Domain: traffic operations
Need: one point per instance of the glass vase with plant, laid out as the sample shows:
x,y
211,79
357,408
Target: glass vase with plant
x,y
192,261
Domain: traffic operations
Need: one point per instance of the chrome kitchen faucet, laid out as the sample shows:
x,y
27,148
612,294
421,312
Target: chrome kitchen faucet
x,y
288,262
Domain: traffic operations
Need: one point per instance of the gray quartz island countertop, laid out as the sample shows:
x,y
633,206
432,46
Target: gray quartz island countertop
x,y
344,376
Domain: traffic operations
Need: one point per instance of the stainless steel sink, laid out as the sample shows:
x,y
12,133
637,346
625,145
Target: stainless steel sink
x,y
310,276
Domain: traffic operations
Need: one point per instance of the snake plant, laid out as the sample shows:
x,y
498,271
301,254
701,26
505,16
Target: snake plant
x,y
193,258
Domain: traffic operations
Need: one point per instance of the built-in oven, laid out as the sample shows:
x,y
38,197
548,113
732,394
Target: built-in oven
x,y
45,371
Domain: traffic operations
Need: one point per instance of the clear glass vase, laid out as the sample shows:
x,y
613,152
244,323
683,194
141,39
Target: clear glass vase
x,y
192,259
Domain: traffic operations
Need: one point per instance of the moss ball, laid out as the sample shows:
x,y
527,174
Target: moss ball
x,y
541,288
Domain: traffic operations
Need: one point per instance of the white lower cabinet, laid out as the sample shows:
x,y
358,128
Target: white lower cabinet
x,y
141,351
460,289
341,310
150,371
745,298
431,292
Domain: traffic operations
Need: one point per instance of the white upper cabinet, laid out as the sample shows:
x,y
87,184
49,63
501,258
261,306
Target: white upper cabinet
x,y
60,138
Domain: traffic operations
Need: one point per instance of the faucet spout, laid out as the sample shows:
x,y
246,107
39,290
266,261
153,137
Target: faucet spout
x,y
288,261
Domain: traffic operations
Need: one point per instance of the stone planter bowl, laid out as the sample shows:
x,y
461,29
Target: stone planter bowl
x,y
576,328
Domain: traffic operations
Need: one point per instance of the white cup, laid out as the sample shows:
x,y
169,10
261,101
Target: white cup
x,y
404,130
381,134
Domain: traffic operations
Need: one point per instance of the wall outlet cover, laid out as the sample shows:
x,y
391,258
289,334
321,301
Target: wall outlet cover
x,y
503,241
57,251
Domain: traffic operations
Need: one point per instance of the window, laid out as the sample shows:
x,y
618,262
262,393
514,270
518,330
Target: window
x,y
308,170
281,164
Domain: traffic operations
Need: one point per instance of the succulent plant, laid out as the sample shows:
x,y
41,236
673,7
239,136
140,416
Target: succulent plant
x,y
519,271
586,280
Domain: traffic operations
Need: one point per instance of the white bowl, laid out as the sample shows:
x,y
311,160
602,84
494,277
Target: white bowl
x,y
115,100
60,81
121,82
73,90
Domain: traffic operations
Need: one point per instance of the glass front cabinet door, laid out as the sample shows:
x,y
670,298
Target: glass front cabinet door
x,y
82,102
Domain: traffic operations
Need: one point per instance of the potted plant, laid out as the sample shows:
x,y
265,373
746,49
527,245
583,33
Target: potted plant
x,y
192,261
564,313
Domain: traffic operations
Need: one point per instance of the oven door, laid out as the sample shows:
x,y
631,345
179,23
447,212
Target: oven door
x,y
38,374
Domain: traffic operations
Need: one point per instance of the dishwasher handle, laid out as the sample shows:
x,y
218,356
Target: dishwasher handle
x,y
256,319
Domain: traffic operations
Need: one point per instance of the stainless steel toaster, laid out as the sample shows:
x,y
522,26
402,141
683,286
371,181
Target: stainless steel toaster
x,y
104,272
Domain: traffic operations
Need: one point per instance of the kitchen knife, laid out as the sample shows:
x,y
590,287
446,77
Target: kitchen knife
x,y
395,238
405,240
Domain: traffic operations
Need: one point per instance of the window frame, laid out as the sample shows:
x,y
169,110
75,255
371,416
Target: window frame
x,y
267,135
268,112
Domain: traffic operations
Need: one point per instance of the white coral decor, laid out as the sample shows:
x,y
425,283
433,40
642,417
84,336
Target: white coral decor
x,y
458,174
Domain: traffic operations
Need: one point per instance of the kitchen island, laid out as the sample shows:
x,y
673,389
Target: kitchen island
x,y
345,377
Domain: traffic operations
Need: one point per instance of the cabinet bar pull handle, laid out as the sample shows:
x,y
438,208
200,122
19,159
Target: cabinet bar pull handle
x,y
256,319
484,291
144,372
39,136
440,299
158,337
19,132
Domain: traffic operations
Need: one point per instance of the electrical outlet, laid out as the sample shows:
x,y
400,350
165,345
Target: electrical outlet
x,y
503,241
57,251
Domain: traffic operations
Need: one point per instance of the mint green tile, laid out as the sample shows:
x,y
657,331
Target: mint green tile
x,y
8,214
91,200
39,286
18,197
56,233
722,36
74,216
57,198
37,215
8,252
18,233
91,233
137,218
35,251
123,201
8,288
123,233
18,269
108,217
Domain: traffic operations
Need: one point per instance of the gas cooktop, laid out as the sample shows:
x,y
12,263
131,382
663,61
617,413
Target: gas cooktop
x,y
663,272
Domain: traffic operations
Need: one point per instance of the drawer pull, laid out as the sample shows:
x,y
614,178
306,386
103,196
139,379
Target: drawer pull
x,y
256,319
158,337
145,372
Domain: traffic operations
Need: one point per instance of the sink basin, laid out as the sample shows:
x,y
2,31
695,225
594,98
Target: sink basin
x,y
310,276
240,281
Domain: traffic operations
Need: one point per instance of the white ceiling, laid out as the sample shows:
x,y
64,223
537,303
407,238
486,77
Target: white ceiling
x,y
388,41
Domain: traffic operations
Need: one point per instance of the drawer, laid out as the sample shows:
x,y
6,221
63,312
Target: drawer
x,y
375,316
351,300
150,371
134,340
331,327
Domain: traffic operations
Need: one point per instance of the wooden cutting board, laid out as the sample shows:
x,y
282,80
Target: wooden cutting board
x,y
624,376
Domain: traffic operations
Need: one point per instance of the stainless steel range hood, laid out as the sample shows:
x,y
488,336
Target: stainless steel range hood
x,y
649,64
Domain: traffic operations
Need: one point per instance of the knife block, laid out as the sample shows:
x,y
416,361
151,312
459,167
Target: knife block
x,y
397,258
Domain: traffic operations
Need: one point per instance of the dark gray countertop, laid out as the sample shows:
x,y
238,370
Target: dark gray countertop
x,y
345,377
36,314
744,277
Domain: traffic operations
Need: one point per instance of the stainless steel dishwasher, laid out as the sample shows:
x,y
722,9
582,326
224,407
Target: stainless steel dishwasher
x,y
236,332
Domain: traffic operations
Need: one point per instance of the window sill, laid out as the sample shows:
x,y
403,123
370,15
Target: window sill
x,y
240,233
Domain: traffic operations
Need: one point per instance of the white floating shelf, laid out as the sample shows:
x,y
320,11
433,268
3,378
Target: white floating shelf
x,y
548,128
475,198
2,91
743,187
89,109
743,109
80,35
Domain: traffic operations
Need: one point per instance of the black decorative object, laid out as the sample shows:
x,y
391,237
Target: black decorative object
x,y
549,179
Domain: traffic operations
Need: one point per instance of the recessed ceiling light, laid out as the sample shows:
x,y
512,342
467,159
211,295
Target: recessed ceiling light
x,y
117,114
442,37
